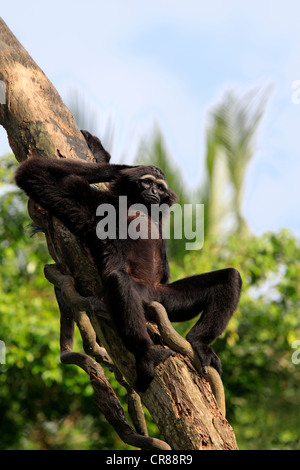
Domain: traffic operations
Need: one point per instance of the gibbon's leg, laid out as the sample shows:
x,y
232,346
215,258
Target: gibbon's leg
x,y
125,303
216,295
101,155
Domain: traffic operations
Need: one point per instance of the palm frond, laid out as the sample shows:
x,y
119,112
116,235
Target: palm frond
x,y
232,131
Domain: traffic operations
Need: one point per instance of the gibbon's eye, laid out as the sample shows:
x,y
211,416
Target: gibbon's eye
x,y
160,187
147,183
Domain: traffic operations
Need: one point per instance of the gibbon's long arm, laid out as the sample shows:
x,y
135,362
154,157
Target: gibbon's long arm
x,y
57,169
63,188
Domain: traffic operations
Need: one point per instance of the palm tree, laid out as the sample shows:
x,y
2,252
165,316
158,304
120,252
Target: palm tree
x,y
230,144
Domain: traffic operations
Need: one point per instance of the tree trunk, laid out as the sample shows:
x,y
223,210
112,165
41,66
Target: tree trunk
x,y
179,398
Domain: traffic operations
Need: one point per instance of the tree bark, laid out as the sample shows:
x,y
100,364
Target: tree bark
x,y
179,398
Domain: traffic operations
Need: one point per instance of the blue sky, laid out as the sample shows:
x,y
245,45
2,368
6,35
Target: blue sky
x,y
168,62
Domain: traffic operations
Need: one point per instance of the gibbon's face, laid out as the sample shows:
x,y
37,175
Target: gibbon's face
x,y
146,185
153,190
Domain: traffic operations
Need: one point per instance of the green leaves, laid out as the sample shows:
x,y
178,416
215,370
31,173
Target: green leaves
x,y
256,349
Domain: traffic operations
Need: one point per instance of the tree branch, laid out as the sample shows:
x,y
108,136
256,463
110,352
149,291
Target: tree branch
x,y
36,119
175,341
105,396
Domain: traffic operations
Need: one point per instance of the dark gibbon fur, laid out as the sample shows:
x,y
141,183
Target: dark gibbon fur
x,y
134,272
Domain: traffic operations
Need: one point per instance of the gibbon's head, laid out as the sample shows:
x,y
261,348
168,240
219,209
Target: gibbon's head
x,y
146,185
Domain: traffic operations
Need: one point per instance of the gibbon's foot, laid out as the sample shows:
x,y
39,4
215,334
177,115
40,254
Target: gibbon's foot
x,y
207,357
145,366
160,355
98,306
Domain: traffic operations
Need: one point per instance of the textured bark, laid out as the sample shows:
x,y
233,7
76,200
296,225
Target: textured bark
x,y
35,118
34,115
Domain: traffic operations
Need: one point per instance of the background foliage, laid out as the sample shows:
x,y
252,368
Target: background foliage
x,y
47,405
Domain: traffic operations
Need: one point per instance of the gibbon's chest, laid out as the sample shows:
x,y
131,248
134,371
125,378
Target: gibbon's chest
x,y
136,245
141,226
144,254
